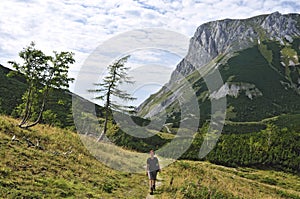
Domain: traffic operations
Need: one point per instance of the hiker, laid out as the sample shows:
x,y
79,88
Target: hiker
x,y
152,168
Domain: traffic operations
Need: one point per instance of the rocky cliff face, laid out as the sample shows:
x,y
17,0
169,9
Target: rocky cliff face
x,y
225,37
218,37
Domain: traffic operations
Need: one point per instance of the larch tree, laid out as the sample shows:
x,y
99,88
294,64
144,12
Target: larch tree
x,y
109,87
43,74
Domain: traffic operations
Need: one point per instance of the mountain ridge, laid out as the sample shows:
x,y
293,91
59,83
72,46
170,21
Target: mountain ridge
x,y
214,43
210,39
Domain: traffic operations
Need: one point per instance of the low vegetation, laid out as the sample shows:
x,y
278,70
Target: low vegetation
x,y
58,167
48,162
191,180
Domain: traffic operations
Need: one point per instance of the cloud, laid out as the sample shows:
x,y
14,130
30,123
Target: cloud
x,y
148,79
148,48
154,56
80,26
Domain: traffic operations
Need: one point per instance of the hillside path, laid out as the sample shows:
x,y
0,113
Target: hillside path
x,y
158,184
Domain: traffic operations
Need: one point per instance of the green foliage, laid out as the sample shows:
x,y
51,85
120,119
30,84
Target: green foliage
x,y
251,67
1,110
269,148
271,143
50,118
117,75
110,185
289,122
42,73
242,127
230,114
120,138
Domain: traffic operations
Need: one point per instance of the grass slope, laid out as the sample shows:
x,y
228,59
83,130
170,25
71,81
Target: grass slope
x,y
193,180
64,169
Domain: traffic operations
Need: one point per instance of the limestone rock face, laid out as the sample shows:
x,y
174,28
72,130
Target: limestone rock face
x,y
226,37
214,38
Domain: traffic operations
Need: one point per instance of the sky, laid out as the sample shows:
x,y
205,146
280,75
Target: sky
x,y
82,26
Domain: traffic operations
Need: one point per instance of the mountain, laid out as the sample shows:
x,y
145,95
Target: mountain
x,y
258,60
227,36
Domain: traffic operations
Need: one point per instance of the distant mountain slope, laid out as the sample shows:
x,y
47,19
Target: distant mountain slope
x,y
258,59
11,90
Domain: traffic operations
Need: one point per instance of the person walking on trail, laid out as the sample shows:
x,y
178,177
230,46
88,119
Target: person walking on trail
x,y
152,168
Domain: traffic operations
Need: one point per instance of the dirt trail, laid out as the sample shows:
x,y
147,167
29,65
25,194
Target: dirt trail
x,y
158,184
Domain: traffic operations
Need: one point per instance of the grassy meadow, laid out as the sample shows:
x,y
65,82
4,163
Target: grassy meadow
x,y
61,167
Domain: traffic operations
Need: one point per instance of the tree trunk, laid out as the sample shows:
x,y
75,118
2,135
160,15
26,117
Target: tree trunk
x,y
38,119
100,138
106,121
107,107
27,108
40,113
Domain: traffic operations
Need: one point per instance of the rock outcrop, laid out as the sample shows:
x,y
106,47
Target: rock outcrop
x,y
226,37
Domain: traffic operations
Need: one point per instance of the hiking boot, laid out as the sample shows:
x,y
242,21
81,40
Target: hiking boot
x,y
151,191
153,187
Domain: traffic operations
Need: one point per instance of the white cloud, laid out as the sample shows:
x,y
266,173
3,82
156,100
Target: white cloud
x,y
80,26
154,56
